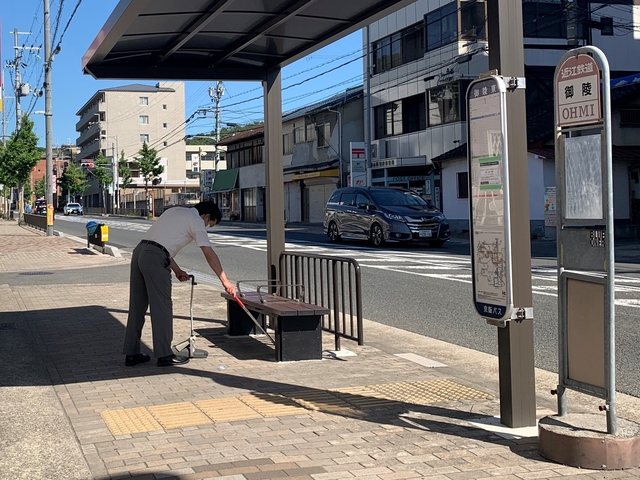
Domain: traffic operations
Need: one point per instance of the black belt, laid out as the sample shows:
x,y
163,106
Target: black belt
x,y
156,244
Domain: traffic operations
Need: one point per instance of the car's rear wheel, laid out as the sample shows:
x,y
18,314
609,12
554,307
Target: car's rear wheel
x,y
334,234
437,243
376,236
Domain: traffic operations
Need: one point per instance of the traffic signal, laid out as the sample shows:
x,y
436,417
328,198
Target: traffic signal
x,y
156,181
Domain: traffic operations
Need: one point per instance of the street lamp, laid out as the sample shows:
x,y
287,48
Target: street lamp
x,y
114,162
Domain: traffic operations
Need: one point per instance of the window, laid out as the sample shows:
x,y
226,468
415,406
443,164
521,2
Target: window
x,y
311,132
348,198
144,138
324,134
444,104
415,114
164,144
545,19
164,125
403,116
441,26
144,100
473,19
462,179
164,106
287,143
144,119
400,48
362,200
298,135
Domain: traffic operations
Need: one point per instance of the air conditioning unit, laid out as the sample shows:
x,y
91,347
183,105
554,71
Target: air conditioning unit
x,y
375,148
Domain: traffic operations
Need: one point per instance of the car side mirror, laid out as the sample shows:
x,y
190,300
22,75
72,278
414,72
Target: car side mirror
x,y
362,206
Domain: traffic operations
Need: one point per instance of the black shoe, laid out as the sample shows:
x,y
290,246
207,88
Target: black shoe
x,y
170,360
132,360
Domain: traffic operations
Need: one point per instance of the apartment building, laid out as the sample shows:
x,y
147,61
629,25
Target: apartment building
x,y
423,57
122,119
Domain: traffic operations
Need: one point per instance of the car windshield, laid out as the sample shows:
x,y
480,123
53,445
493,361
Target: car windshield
x,y
394,198
75,205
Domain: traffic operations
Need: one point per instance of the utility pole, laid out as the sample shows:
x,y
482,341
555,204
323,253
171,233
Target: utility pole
x,y
367,110
216,95
515,340
21,91
48,58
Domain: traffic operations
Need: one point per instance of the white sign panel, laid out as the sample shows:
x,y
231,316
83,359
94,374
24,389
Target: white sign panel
x,y
578,92
490,249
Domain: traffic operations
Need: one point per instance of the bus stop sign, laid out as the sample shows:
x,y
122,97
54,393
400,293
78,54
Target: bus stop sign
x,y
489,198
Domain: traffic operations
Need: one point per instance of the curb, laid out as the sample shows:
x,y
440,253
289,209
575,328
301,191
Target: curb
x,y
106,250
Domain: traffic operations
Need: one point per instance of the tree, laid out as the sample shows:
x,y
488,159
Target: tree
x,y
19,155
149,164
103,175
124,172
74,181
40,188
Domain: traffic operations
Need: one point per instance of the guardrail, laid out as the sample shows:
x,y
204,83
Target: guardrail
x,y
330,282
37,221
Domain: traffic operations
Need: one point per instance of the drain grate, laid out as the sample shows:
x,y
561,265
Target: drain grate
x,y
36,273
7,326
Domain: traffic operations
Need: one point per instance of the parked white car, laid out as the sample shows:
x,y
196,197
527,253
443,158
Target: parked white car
x,y
73,208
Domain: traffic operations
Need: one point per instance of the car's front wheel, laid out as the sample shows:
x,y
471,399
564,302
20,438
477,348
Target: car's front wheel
x,y
376,236
334,233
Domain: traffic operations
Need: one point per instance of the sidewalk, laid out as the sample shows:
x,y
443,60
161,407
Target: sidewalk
x,y
70,409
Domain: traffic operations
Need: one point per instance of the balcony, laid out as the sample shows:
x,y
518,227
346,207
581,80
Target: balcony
x,y
86,135
90,150
87,117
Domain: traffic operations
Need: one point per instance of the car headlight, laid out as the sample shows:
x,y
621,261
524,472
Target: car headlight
x,y
393,216
439,217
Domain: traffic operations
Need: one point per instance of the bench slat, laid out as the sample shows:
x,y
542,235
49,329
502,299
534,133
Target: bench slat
x,y
275,305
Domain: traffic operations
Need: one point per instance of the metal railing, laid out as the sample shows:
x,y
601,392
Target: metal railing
x,y
330,282
37,221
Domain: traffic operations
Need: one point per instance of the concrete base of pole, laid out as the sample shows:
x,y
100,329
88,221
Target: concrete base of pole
x,y
581,440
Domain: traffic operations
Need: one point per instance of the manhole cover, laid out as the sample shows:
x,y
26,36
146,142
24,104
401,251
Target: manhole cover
x,y
36,273
7,326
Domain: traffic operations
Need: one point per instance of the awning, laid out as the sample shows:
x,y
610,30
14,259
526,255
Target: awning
x,y
324,173
225,180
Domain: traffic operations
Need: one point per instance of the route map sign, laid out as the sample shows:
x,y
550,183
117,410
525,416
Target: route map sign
x,y
489,201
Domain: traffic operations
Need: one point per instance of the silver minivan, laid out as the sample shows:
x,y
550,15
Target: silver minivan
x,y
384,214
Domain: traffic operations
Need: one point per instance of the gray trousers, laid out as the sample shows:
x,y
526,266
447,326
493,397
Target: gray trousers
x,y
150,286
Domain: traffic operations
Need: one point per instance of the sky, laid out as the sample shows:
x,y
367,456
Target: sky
x,y
71,89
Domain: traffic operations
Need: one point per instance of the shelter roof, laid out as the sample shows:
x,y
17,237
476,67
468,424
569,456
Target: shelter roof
x,y
221,39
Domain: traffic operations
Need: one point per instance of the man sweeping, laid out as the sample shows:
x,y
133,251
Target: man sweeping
x,y
150,283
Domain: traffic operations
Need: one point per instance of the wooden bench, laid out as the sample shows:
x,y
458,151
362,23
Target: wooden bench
x,y
297,325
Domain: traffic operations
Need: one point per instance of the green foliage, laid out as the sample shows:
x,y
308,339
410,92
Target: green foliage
x,y
40,188
19,155
102,174
149,164
124,172
201,141
74,180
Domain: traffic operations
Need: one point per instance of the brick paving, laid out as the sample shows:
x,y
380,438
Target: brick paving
x,y
77,341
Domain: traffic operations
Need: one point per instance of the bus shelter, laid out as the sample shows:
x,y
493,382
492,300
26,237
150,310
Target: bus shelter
x,y
213,40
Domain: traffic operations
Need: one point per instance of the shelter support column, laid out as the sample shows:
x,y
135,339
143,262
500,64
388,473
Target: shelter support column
x,y
273,169
515,341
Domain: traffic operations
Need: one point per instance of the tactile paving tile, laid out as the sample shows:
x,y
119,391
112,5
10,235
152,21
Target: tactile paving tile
x,y
130,420
272,405
364,397
319,400
226,409
430,391
179,415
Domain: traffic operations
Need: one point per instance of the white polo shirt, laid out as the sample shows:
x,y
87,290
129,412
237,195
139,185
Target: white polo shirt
x,y
176,228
